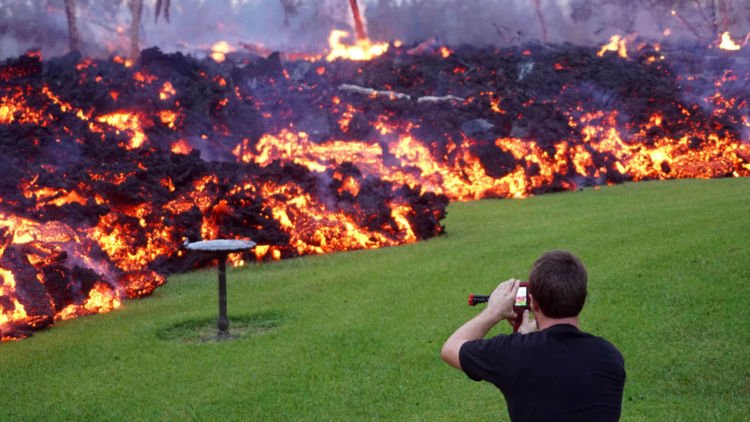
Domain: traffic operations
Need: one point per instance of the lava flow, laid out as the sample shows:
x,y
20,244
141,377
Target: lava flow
x,y
108,166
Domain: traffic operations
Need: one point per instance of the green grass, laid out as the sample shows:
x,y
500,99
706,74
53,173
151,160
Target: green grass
x,y
356,336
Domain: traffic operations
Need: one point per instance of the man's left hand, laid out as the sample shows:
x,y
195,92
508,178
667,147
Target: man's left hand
x,y
503,298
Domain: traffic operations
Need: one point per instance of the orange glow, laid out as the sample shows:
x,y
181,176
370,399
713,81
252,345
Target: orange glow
x,y
181,147
7,289
616,44
167,91
220,50
46,244
168,117
14,108
144,78
316,229
102,299
375,139
123,61
495,105
127,122
727,43
361,50
58,197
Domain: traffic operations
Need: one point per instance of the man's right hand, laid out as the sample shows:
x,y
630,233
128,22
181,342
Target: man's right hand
x,y
528,325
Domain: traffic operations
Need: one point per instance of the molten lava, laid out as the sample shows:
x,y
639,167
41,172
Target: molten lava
x,y
107,166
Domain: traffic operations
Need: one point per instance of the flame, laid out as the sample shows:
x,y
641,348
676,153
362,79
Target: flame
x,y
315,228
45,246
126,121
167,91
16,312
727,43
181,146
363,49
101,299
169,118
14,108
123,61
617,44
57,197
143,78
220,50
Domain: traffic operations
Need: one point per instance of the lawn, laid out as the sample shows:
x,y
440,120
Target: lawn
x,y
357,335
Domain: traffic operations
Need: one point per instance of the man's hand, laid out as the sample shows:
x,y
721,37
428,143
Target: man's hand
x,y
499,307
528,325
502,300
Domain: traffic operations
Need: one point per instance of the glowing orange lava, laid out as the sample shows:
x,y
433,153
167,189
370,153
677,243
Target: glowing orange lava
x,y
362,49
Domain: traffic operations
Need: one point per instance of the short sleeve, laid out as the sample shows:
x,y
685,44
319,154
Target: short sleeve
x,y
484,359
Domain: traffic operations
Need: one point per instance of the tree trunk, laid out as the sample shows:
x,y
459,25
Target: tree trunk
x,y
540,17
358,26
725,9
73,38
136,9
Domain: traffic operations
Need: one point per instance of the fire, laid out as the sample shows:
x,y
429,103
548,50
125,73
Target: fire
x,y
13,108
44,247
15,312
125,121
143,78
167,91
102,299
363,49
58,197
220,50
727,43
123,61
316,229
169,118
616,44
181,146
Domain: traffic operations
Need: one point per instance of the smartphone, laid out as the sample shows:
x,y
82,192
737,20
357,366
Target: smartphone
x,y
521,304
522,297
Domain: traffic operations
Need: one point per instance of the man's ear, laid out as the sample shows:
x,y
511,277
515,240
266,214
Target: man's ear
x,y
532,304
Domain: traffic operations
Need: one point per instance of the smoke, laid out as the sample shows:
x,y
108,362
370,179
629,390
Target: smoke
x,y
304,25
583,22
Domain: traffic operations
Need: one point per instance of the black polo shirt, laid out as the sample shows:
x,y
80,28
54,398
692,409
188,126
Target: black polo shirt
x,y
556,374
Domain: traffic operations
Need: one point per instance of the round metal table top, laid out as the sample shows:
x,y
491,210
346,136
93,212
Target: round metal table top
x,y
220,245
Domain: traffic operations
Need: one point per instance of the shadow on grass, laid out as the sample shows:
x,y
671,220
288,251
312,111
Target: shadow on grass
x,y
204,330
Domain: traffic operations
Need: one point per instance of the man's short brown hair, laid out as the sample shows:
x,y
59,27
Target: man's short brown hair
x,y
557,283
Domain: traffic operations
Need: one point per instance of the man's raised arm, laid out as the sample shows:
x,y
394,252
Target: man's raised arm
x,y
499,307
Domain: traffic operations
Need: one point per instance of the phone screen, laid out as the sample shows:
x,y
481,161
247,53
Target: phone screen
x,y
521,300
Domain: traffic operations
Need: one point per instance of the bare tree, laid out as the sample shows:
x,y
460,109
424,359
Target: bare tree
x,y
136,10
161,4
73,37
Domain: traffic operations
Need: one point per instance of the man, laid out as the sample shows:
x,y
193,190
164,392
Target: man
x,y
549,370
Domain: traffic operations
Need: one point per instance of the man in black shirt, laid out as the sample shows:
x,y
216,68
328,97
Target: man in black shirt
x,y
549,370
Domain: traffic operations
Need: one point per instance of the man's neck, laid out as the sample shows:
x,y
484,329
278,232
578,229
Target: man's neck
x,y
545,322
